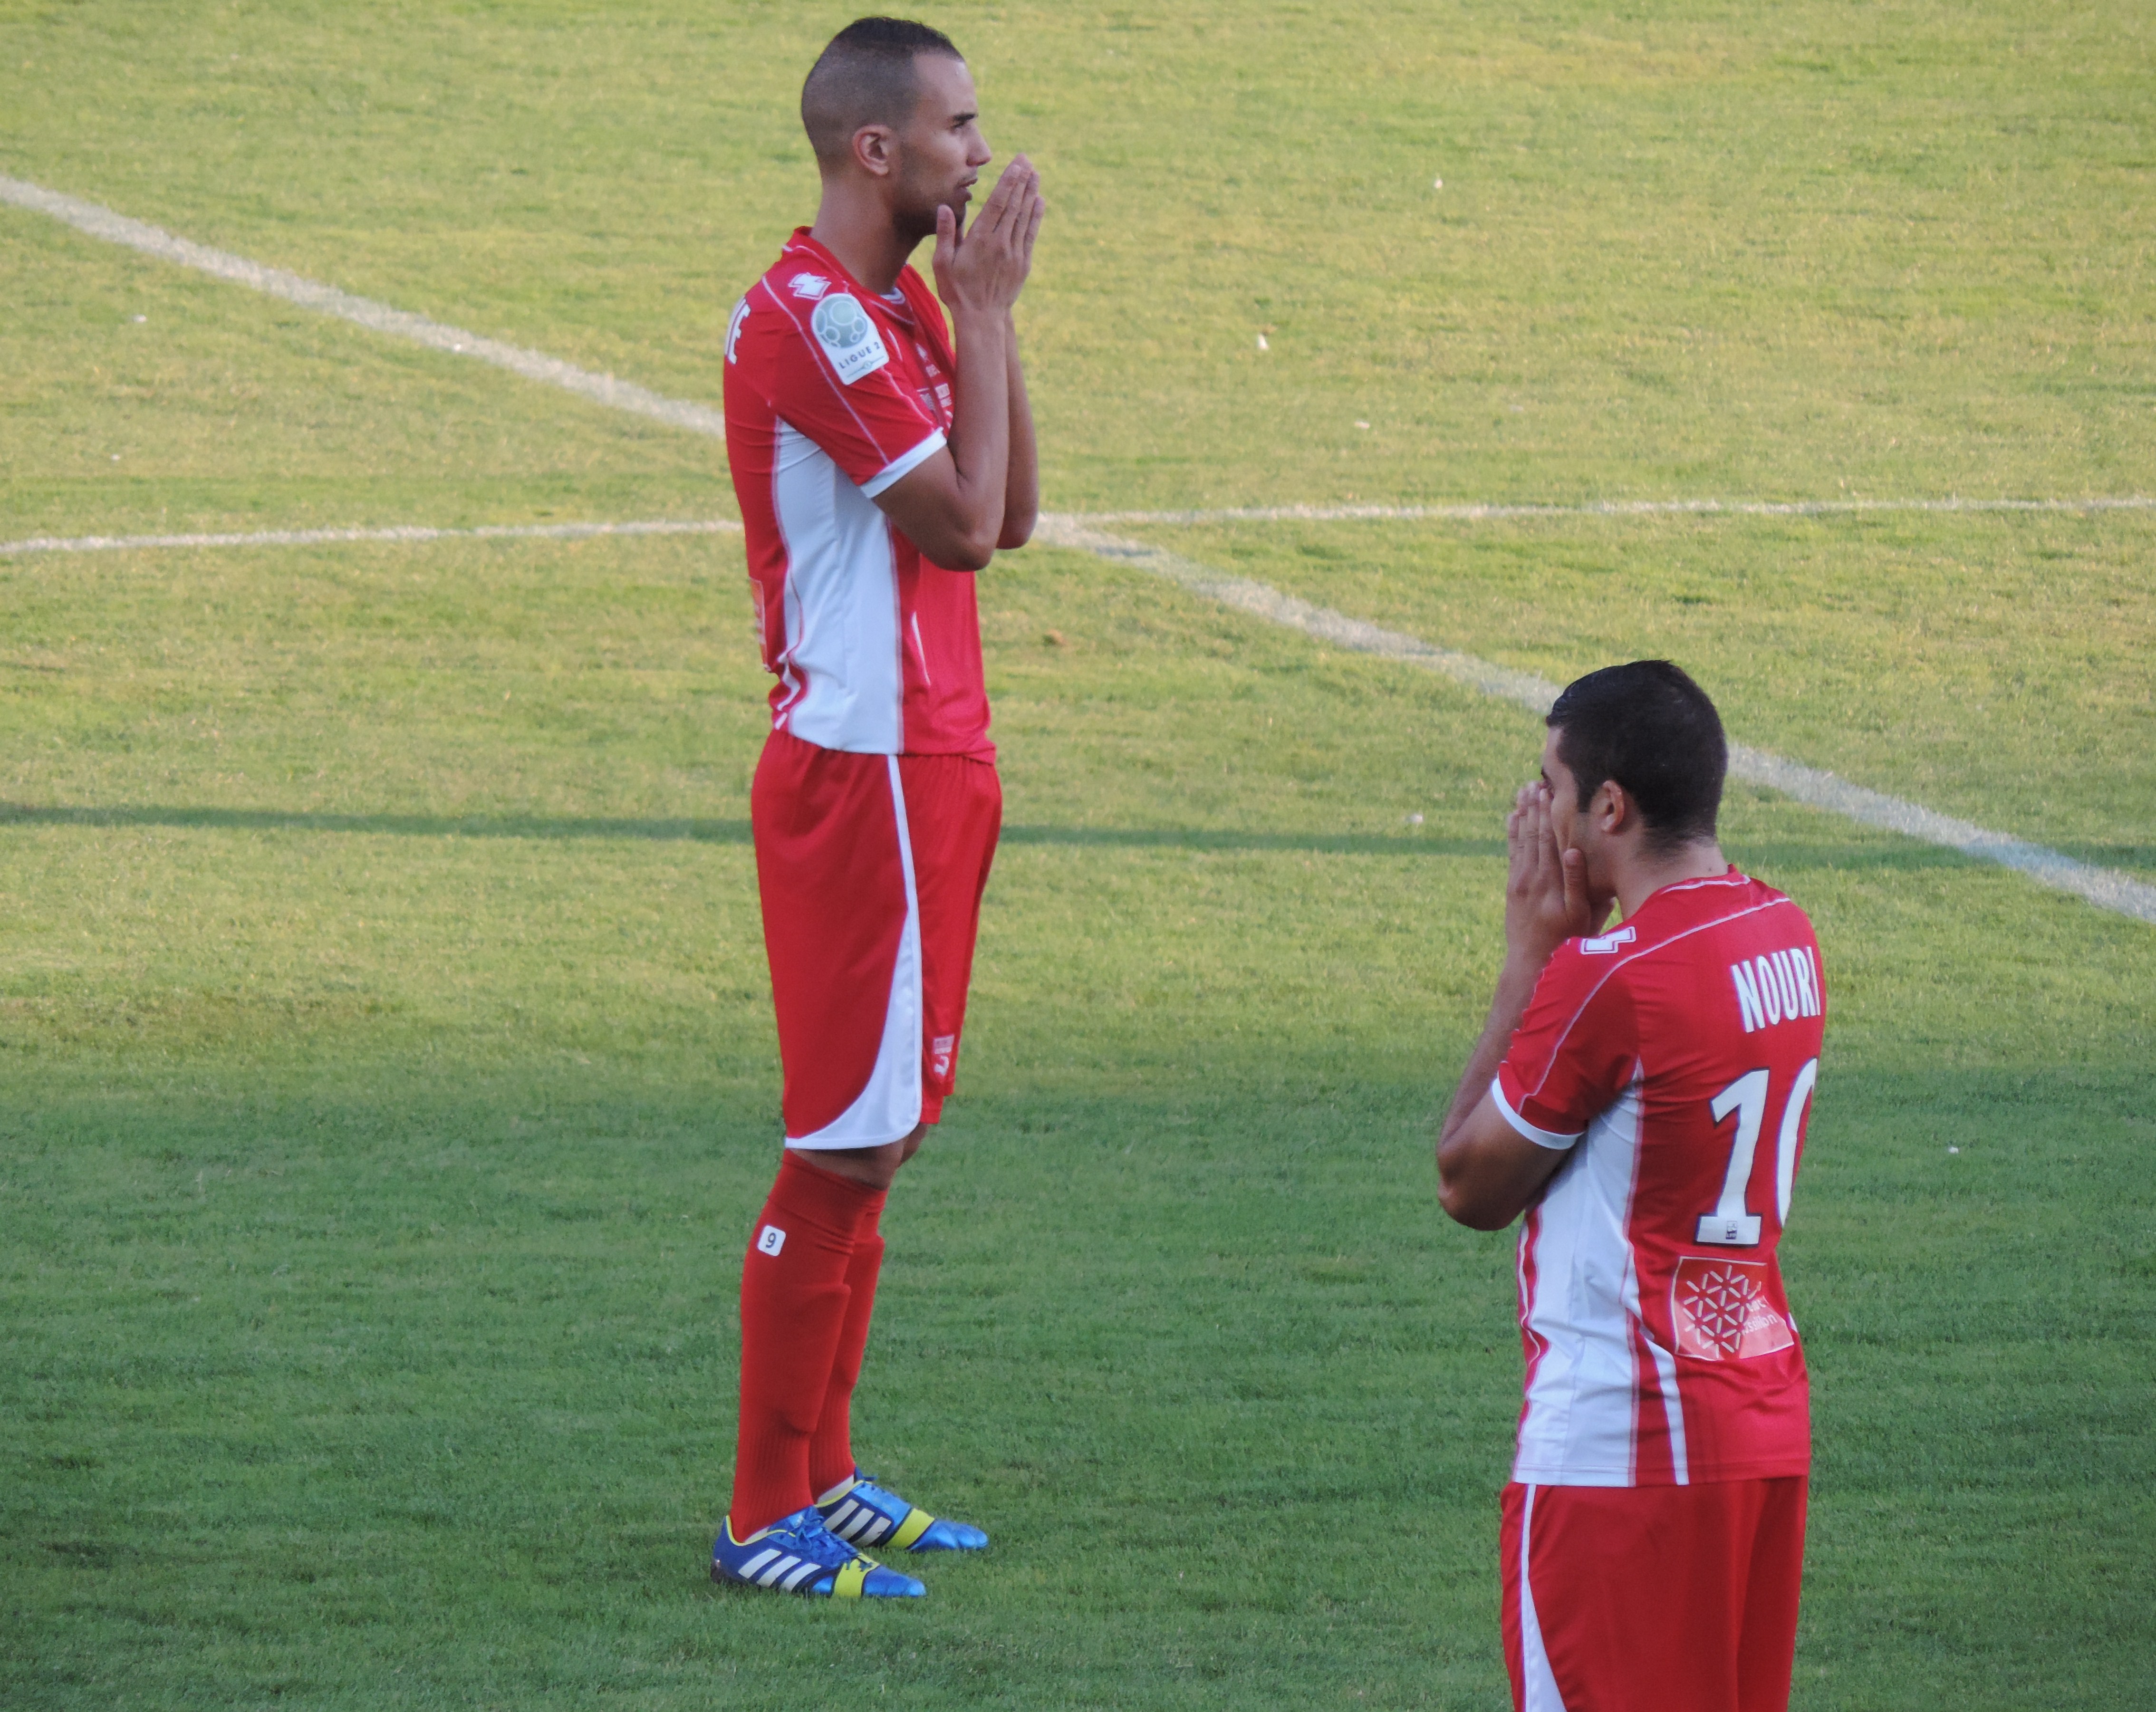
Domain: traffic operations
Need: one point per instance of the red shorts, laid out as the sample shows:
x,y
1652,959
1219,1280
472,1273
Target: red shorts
x,y
1653,1598
871,868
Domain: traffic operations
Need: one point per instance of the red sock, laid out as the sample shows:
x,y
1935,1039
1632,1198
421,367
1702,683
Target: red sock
x,y
793,1309
831,1446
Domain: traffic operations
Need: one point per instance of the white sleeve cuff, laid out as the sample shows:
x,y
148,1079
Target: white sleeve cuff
x,y
1551,1139
905,464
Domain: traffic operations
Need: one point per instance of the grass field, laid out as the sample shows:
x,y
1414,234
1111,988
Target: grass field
x,y
387,1077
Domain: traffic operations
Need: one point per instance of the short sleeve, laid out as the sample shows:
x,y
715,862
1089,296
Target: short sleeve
x,y
874,428
1574,1052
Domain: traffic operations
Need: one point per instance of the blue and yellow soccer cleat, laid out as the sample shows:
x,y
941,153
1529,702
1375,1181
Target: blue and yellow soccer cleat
x,y
798,1554
862,1513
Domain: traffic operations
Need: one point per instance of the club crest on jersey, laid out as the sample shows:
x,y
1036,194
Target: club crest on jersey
x,y
1608,941
810,286
1721,1311
849,337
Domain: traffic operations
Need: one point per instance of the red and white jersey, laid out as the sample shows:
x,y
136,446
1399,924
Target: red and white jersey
x,y
1675,1056
833,392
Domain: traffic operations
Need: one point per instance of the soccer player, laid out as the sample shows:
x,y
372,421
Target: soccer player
x,y
1640,1094
879,469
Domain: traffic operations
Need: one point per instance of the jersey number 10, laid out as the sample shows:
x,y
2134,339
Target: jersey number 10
x,y
1729,1225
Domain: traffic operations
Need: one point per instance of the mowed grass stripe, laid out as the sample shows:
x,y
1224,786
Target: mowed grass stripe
x,y
410,532
1466,512
1474,512
1812,786
114,227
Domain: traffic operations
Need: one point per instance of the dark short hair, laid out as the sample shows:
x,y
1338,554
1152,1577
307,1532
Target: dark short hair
x,y
865,76
1649,728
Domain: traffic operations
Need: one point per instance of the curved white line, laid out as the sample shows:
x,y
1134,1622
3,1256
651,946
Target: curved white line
x,y
379,317
2104,887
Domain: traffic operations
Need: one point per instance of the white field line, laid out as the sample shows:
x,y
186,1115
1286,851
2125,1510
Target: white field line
x,y
400,532
114,227
1473,513
1083,520
2103,887
378,317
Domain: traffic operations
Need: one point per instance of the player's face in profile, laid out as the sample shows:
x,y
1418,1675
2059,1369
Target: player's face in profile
x,y
1564,795
1572,826
941,151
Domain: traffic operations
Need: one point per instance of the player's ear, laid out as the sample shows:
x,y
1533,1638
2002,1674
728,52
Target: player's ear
x,y
875,150
1612,811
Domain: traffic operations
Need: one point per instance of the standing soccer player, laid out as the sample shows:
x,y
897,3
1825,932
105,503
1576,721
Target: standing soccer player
x,y
1640,1095
878,469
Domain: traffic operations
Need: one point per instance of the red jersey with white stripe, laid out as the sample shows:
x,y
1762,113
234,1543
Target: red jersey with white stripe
x,y
1674,1058
833,392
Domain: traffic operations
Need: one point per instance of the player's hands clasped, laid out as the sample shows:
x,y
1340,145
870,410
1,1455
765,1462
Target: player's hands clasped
x,y
981,269
1546,896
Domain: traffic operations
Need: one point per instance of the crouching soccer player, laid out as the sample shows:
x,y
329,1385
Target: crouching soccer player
x,y
878,468
1640,1094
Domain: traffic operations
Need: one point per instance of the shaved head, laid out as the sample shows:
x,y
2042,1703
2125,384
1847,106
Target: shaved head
x,y
866,76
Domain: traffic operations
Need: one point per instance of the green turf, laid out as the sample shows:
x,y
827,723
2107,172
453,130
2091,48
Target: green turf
x,y
384,1043
1684,248
1993,666
382,1161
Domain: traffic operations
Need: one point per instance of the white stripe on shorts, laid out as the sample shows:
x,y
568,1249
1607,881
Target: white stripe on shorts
x,y
888,1107
1542,1695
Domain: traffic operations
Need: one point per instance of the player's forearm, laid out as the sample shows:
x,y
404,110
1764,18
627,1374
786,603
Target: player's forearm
x,y
1022,481
980,430
1516,987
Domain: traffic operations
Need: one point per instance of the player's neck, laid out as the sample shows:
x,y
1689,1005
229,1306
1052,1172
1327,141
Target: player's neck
x,y
859,230
1640,874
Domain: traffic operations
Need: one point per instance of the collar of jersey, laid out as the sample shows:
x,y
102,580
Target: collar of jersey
x,y
1729,877
897,307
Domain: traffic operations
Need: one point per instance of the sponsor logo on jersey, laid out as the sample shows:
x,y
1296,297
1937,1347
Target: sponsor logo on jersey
x,y
770,1240
849,337
1778,987
808,286
1721,1310
1608,941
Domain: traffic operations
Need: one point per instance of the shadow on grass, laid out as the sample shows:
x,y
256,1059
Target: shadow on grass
x,y
707,831
1781,856
417,826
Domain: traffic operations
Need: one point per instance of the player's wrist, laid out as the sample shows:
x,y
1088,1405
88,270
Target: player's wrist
x,y
1524,963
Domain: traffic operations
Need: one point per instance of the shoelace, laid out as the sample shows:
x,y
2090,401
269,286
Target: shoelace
x,y
868,1482
818,1544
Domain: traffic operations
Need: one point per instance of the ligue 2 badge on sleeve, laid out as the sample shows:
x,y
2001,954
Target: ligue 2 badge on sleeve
x,y
849,337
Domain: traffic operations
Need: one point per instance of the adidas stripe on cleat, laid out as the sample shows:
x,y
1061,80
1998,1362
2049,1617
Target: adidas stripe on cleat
x,y
798,1554
862,1513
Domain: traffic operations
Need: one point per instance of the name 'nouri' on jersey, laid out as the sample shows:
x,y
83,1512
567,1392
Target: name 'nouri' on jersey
x,y
1780,986
832,393
1675,1059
